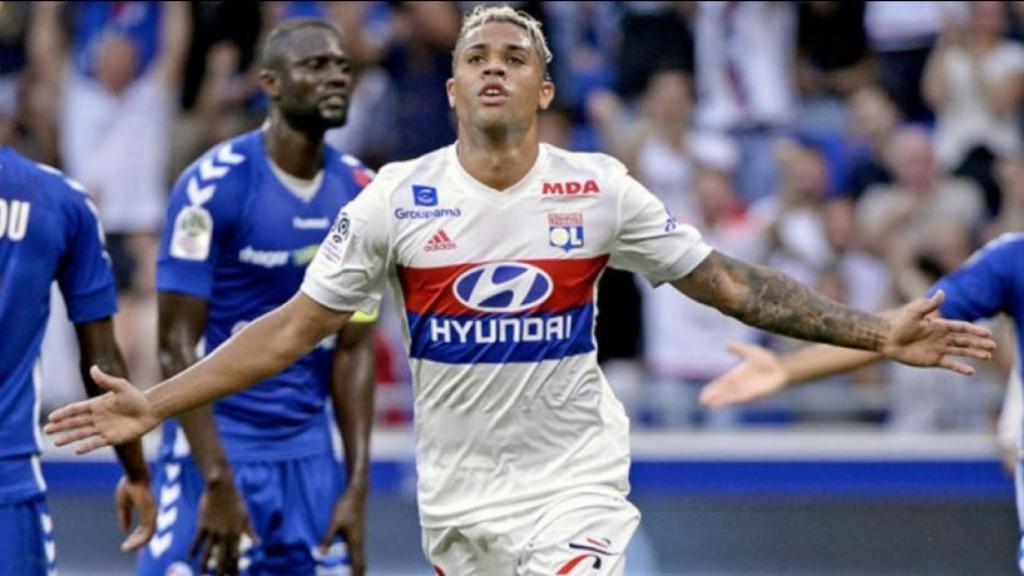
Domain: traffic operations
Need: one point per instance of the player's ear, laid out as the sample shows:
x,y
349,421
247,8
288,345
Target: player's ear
x,y
547,94
270,82
449,87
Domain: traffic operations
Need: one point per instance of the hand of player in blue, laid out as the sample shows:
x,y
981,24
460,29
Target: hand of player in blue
x,y
349,519
919,337
120,415
135,495
223,533
760,374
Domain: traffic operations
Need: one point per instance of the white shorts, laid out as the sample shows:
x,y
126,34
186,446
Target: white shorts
x,y
581,534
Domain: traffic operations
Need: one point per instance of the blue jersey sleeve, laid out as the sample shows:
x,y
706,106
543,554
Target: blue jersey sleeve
x,y
202,213
84,275
983,286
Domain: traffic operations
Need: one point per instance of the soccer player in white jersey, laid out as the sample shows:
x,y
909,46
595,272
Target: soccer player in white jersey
x,y
493,246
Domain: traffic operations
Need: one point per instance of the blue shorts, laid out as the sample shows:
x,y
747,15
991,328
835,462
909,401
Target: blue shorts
x,y
290,504
26,539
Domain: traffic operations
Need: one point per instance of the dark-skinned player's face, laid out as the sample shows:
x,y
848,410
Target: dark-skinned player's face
x,y
314,80
498,78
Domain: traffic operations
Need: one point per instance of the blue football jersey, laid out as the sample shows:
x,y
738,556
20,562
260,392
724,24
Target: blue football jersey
x,y
48,232
990,282
237,237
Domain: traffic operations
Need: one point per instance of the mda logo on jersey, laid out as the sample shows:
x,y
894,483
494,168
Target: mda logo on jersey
x,y
565,231
503,287
424,195
570,188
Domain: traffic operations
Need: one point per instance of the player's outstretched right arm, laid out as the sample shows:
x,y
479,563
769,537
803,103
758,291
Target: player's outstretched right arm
x,y
260,350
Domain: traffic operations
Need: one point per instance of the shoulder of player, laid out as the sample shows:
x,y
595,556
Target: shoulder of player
x,y
395,177
597,161
218,168
1008,243
594,171
47,181
361,173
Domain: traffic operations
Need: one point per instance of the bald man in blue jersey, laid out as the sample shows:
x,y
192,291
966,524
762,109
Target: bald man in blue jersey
x,y
252,486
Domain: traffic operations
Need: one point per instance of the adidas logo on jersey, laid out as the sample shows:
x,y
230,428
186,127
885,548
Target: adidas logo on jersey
x,y
439,241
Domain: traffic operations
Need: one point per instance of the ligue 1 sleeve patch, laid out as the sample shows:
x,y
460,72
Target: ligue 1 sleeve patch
x,y
331,247
193,233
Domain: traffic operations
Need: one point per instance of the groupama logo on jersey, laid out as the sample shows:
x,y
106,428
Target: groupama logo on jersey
x,y
503,287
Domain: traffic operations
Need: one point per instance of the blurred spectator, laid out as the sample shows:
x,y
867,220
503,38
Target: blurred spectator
x,y
745,82
1010,174
901,35
660,145
794,222
17,115
584,37
655,36
686,341
974,81
901,220
832,60
415,49
219,80
864,278
117,72
932,400
873,119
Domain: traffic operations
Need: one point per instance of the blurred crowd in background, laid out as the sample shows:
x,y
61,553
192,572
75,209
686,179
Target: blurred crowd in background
x,y
865,148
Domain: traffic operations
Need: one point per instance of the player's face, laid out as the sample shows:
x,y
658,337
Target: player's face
x,y
498,80
316,80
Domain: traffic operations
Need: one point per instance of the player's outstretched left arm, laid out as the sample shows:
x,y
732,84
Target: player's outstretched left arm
x,y
263,348
770,300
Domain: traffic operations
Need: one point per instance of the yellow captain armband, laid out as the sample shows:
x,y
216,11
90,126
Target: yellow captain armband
x,y
364,318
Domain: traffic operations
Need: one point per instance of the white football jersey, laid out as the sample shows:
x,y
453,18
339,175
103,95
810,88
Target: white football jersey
x,y
498,290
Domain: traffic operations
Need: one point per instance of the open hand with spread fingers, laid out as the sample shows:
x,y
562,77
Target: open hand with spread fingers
x,y
920,337
122,414
760,374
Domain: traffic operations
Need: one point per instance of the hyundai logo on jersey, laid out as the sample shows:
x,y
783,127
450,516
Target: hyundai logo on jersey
x,y
565,231
506,311
502,287
424,195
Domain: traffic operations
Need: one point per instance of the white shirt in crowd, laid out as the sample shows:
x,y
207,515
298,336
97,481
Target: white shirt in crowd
x,y
744,53
118,147
965,120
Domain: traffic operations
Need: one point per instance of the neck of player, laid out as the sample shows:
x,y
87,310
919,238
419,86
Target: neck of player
x,y
296,152
498,158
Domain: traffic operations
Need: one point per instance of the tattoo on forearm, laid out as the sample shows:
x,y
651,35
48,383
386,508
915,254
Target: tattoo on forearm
x,y
770,300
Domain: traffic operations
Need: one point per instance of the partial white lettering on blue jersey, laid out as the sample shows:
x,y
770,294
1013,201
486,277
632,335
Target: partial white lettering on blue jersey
x,y
13,219
48,232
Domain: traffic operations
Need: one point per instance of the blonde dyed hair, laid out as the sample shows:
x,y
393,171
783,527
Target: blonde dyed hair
x,y
486,14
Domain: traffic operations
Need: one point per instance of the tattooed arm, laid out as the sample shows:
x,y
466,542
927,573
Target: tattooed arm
x,y
770,300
